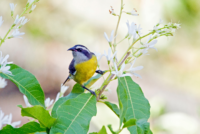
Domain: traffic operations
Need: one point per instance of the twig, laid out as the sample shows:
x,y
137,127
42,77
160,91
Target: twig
x,y
110,77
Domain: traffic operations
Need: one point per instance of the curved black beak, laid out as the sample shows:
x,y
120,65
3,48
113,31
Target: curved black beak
x,y
72,49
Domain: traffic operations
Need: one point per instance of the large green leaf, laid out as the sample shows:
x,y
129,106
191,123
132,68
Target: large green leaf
x,y
123,100
27,84
77,90
30,127
137,105
39,113
113,107
75,114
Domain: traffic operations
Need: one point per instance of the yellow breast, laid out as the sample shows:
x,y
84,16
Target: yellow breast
x,y
85,70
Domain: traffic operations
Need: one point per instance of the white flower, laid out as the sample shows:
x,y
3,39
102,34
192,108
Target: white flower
x,y
111,36
112,11
177,25
48,102
120,72
33,7
1,21
7,120
3,82
99,56
17,20
138,30
131,29
109,56
14,124
134,12
3,119
4,60
30,1
57,96
132,70
60,94
26,101
63,89
148,45
16,33
24,21
12,6
156,28
5,69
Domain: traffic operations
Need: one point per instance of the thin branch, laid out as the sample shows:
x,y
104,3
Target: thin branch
x,y
110,77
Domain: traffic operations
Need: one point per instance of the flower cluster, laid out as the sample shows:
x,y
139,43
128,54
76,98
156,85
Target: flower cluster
x,y
4,120
134,34
19,21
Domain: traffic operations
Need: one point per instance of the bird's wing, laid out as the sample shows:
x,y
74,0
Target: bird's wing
x,y
72,69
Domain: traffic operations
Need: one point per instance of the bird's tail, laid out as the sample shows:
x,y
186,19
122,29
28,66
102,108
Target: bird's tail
x,y
68,78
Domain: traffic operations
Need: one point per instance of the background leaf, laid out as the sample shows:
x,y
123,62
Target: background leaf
x,y
30,127
39,113
27,84
77,90
138,106
113,107
75,114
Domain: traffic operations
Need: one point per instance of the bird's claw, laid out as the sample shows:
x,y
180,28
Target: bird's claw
x,y
92,92
100,72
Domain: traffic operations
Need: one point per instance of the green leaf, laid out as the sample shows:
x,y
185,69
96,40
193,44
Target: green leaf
x,y
27,84
111,129
102,131
143,127
39,113
129,123
75,114
113,107
123,100
137,105
77,90
92,80
30,127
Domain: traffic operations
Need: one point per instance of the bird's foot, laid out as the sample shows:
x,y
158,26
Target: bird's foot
x,y
100,72
93,92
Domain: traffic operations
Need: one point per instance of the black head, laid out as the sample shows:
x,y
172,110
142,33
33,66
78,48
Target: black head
x,y
80,53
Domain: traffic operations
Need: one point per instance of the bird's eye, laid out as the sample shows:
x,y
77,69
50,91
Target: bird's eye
x,y
79,49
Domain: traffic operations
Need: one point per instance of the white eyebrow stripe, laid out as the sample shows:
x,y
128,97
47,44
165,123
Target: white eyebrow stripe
x,y
82,48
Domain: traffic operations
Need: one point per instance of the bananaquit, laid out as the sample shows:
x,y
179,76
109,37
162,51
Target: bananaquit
x,y
83,66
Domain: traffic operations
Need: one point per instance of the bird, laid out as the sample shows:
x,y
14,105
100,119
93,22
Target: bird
x,y
83,66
